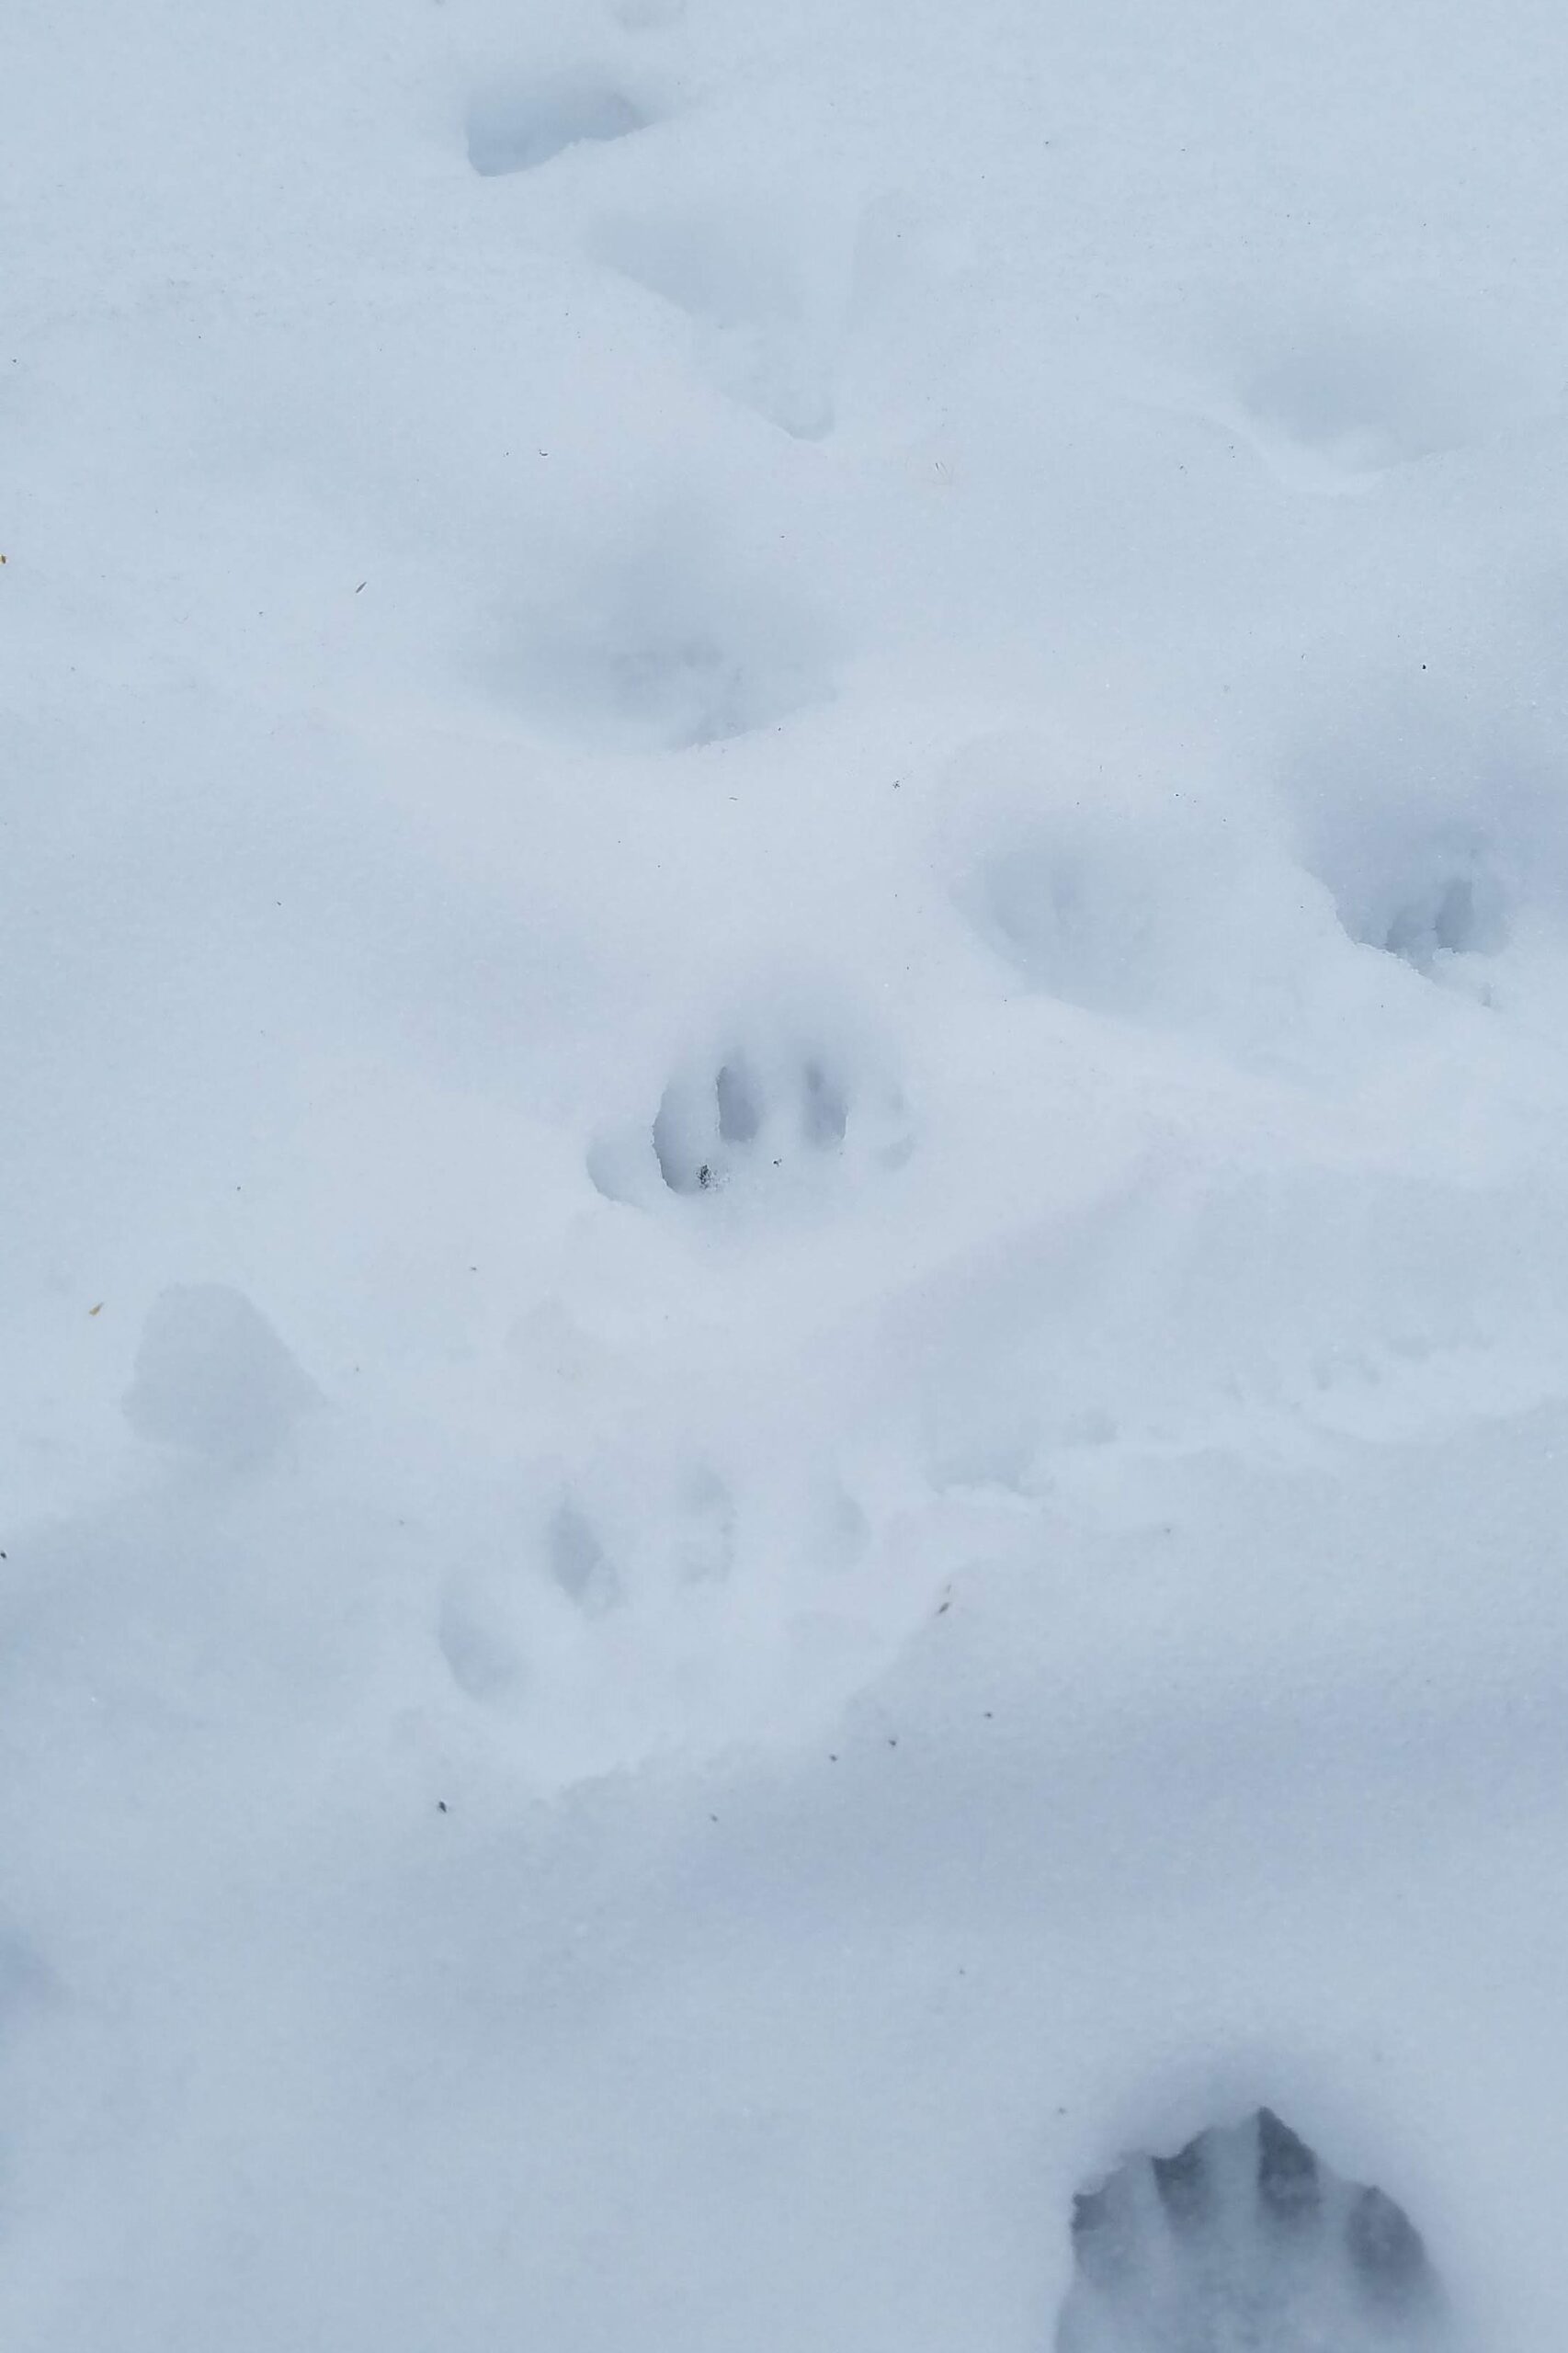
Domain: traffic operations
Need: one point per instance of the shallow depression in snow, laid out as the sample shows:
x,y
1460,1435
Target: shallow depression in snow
x,y
213,1380
516,125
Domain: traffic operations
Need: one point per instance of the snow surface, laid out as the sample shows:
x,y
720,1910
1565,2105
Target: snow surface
x,y
784,886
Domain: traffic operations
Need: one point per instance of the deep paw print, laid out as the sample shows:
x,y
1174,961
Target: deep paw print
x,y
704,1134
1433,846
752,1117
776,1107
1243,2240
1450,900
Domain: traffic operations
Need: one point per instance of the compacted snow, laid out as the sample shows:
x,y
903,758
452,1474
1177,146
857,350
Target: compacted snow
x,y
784,896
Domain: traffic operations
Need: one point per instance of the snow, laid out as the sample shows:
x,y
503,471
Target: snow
x,y
784,882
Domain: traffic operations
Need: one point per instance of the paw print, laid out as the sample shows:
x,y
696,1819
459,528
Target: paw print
x,y
709,1132
756,1115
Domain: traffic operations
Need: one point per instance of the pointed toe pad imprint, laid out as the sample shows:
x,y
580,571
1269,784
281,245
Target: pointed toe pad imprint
x,y
1243,2242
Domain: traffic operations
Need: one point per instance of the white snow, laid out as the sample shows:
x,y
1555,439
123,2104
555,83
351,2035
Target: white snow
x,y
784,1236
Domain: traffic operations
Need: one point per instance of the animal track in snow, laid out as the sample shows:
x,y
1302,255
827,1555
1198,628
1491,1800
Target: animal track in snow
x,y
735,281
1096,895
669,652
1360,399
1330,402
488,1619
478,1645
213,1379
1426,844
1454,904
1426,899
773,1109
1243,2242
579,1562
1078,911
516,126
705,1132
654,1532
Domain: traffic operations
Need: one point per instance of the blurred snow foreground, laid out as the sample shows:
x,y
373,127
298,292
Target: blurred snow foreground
x,y
784,1221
